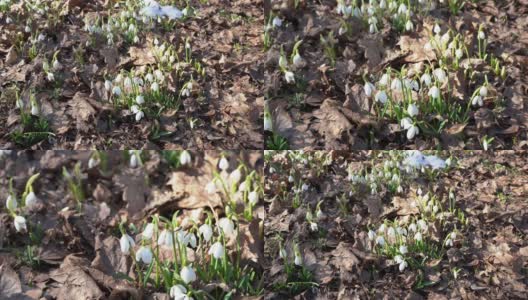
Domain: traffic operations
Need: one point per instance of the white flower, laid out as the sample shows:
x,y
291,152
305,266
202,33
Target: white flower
x,y
108,85
459,53
434,92
440,75
187,274
148,232
402,9
381,97
412,227
403,249
396,84
235,176
485,145
144,254
298,260
418,236
412,110
369,89
384,80
155,87
403,265
409,25
50,76
11,203
140,99
483,91
27,29
422,224
449,243
277,22
227,226
481,35
267,122
34,109
380,241
437,29
185,157
31,199
453,235
406,123
149,77
412,132
126,242
20,223
211,187
297,60
206,231
371,235
139,115
116,90
178,292
253,197
391,232
283,253
223,164
289,76
313,226
217,250
56,65
166,238
477,100
305,187
426,79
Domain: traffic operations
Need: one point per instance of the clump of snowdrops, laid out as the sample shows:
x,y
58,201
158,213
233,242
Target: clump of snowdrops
x,y
16,206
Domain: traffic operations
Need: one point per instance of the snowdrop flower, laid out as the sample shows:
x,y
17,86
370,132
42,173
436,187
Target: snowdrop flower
x,y
399,189
412,227
149,77
108,85
371,235
305,187
426,79
283,253
409,25
223,164
154,87
31,199
20,223
449,242
313,226
384,80
56,65
144,254
116,90
428,46
41,37
227,226
440,75
92,162
11,203
267,122
277,22
27,29
381,97
418,236
187,274
412,132
414,85
289,76
483,91
34,109
459,53
211,187
148,232
50,76
217,250
481,35
297,60
140,99
178,292
485,145
298,260
434,92
166,238
253,197
406,123
402,265
380,241
477,100
369,89
396,84
391,232
403,249
422,224
185,157
445,39
235,176
206,231
382,228
437,29
126,242
412,110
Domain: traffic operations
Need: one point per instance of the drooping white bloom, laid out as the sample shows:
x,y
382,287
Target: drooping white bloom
x,y
406,123
253,197
426,79
139,115
380,241
56,65
459,53
403,249
409,25
477,100
313,226
384,80
402,266
187,274
20,223
283,253
298,260
412,132
235,176
211,187
126,242
437,29
481,35
144,255
148,232
297,60
154,87
166,238
483,91
227,226
396,84
402,9
369,89
412,110
116,90
422,224
289,76
206,231
31,199
140,99
391,232
371,235
381,97
418,236
217,250
50,76
223,164
449,243
268,124
412,227
434,92
34,109
185,157
11,203
108,85
277,22
178,292
485,145
440,75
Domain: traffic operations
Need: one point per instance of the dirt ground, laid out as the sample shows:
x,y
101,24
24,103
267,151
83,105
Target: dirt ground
x,y
224,110
488,259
